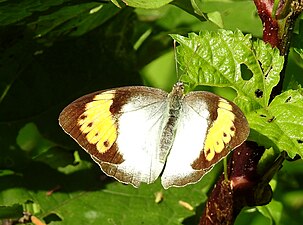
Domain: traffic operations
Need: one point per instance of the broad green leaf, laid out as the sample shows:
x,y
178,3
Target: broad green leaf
x,y
82,198
31,141
146,4
215,59
280,124
118,203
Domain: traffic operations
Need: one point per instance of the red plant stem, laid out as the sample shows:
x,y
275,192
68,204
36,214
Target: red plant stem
x,y
270,25
278,25
242,189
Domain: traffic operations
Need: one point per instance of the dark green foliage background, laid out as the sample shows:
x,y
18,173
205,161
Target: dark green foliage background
x,y
52,52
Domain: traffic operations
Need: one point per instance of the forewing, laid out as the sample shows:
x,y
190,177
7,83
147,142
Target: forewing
x,y
120,129
208,129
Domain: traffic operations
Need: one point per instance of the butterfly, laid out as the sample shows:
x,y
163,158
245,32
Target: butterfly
x,y
138,133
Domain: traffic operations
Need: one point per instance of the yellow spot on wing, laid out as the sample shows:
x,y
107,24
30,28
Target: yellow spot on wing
x,y
97,122
221,132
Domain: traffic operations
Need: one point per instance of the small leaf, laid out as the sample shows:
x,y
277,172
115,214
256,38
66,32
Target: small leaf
x,y
146,4
118,3
31,141
216,18
280,124
272,211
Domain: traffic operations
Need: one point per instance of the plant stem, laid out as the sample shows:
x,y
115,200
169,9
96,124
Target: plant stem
x,y
242,189
246,185
278,23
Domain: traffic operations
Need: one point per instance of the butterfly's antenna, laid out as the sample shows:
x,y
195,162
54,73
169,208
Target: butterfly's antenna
x,y
176,60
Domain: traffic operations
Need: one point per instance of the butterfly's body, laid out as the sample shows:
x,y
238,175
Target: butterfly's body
x,y
173,106
137,133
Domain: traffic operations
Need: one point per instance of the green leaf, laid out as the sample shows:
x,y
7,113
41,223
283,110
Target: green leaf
x,y
215,59
129,200
300,52
14,211
146,4
118,3
83,198
31,141
272,211
280,124
197,6
216,18
213,16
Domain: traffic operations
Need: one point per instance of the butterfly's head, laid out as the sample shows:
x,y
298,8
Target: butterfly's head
x,y
178,88
177,92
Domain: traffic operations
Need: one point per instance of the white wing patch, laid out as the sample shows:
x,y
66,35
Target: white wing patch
x,y
138,140
189,141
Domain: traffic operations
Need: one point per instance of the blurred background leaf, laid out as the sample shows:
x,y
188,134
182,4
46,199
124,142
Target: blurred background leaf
x,y
52,52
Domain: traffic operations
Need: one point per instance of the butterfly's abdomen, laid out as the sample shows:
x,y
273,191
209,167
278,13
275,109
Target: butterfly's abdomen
x,y
174,106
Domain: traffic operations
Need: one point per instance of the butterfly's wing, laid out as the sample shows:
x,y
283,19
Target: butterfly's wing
x,y
209,128
120,129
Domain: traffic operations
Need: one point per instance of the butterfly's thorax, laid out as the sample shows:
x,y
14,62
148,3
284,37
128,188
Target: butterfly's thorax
x,y
174,105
